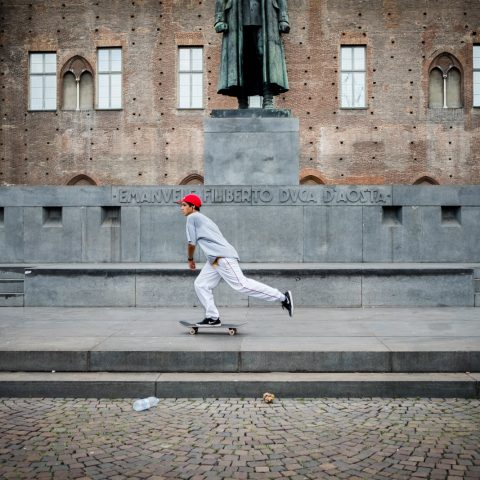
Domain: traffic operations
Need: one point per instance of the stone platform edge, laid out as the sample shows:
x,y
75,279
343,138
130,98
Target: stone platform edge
x,y
315,285
214,385
232,362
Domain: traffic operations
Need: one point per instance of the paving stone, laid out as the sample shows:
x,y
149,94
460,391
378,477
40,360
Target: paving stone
x,y
292,438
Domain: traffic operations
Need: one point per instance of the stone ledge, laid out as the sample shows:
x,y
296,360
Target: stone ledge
x,y
121,385
314,285
253,267
239,359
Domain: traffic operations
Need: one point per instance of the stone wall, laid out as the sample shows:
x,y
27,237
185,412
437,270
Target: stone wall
x,y
397,139
266,224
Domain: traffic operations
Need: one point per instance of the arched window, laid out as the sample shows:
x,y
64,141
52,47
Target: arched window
x,y
69,92
79,180
193,179
77,77
311,176
311,180
86,91
445,84
425,181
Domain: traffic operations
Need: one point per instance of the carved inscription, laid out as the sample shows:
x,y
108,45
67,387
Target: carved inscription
x,y
257,195
355,195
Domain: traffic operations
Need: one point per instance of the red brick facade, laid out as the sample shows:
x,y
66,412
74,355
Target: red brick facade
x,y
396,139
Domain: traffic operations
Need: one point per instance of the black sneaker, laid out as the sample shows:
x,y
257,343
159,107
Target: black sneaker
x,y
287,304
210,322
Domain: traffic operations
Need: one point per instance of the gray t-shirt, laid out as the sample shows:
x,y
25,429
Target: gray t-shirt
x,y
204,232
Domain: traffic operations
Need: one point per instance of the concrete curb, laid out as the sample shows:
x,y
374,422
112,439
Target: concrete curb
x,y
241,361
215,385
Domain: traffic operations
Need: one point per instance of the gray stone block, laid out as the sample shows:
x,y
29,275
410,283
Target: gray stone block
x,y
87,288
12,234
297,223
78,385
11,286
423,237
265,195
173,361
165,288
52,240
477,299
102,236
420,290
74,389
409,240
378,236
177,289
316,389
262,234
15,273
318,385
162,237
442,361
49,196
11,300
44,361
251,151
130,234
332,234
121,385
317,361
314,289
468,195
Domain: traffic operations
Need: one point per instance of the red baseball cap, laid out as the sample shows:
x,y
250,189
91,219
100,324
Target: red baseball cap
x,y
193,199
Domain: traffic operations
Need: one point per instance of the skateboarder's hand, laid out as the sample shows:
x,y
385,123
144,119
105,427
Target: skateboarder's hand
x,y
191,265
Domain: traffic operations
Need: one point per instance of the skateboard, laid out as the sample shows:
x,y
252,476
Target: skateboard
x,y
231,327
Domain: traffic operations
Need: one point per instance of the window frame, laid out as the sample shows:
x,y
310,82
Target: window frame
x,y
475,69
445,62
191,72
43,74
353,71
109,73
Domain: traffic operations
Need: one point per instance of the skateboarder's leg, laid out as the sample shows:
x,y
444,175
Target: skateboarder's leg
x,y
231,272
206,281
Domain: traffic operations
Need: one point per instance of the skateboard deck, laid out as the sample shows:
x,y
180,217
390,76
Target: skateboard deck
x,y
231,327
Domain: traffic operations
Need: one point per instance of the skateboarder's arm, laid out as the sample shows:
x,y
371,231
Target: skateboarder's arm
x,y
190,253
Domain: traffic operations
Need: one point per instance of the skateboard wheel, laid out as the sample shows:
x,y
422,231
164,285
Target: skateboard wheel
x,y
193,331
232,331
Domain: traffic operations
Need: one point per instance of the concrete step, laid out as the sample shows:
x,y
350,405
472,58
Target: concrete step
x,y
314,285
11,299
315,340
215,385
11,285
12,272
229,359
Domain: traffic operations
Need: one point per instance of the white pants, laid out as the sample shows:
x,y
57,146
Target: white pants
x,y
229,270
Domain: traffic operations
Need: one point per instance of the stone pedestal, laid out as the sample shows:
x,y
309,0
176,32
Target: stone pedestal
x,y
251,147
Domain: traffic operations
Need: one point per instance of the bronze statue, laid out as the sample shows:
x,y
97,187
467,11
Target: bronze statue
x,y
253,60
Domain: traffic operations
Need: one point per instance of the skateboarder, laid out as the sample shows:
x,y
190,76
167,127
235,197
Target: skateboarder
x,y
222,262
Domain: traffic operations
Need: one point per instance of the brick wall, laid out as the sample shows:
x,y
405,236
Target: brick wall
x,y
397,139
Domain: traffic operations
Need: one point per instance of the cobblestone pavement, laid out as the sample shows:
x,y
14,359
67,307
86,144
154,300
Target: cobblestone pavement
x,y
240,438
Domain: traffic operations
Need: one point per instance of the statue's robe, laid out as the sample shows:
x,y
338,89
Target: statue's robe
x,y
232,77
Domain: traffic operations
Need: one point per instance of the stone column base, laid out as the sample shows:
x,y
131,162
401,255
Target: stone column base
x,y
251,147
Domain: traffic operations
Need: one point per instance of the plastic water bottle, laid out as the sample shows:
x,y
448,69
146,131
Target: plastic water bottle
x,y
145,403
